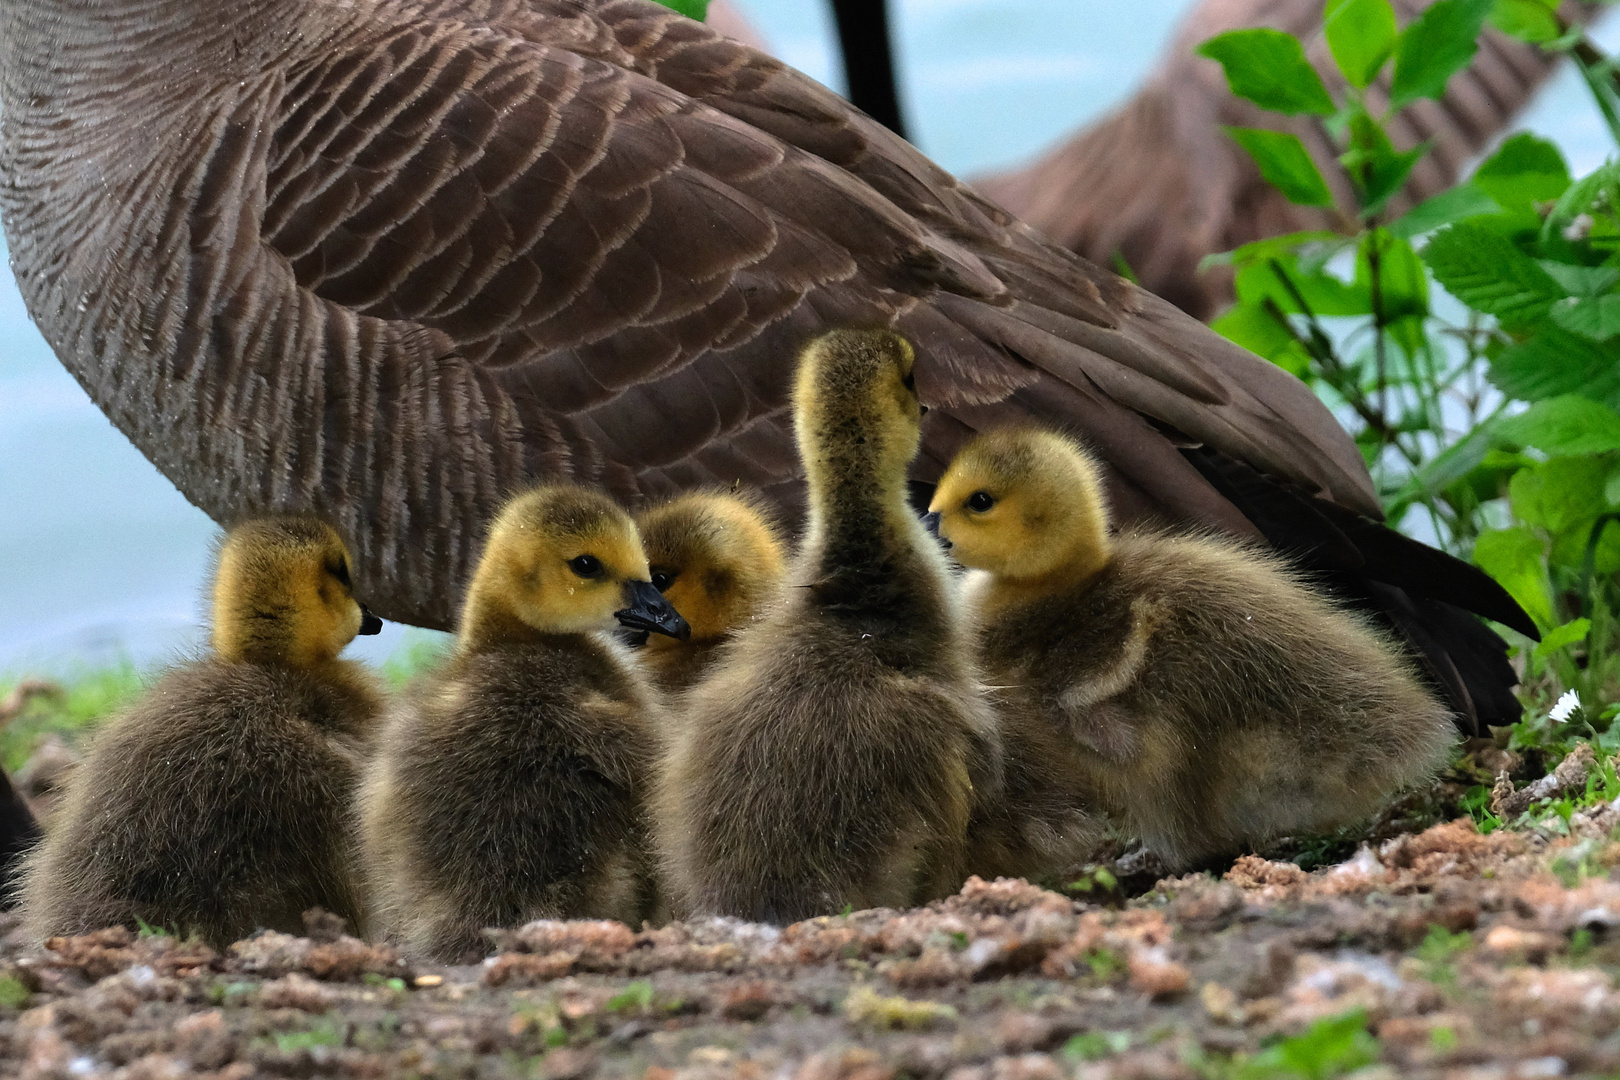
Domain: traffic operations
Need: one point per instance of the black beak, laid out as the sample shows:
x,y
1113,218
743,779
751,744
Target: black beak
x,y
931,523
369,623
649,610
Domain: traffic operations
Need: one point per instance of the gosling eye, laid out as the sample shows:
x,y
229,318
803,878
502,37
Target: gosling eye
x,y
980,501
340,570
663,579
586,566
909,381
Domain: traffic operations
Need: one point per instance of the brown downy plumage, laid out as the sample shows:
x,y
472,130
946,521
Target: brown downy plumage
x,y
718,560
482,242
513,787
833,754
1221,702
220,802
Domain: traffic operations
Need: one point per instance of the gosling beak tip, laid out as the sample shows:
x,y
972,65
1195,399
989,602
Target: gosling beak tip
x,y
930,522
369,623
648,610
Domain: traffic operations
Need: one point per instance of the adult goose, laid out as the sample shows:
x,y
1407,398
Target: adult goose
x,y
387,261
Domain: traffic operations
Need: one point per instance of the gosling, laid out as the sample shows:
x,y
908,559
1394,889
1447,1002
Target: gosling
x,y
1221,702
718,560
219,803
833,756
514,787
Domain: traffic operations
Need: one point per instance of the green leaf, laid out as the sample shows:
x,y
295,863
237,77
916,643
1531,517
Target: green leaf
x,y
1514,557
1564,636
1525,170
1527,20
692,9
1486,271
1361,35
1273,246
1611,488
1323,293
1254,328
1434,47
1581,280
1454,204
1269,68
1583,193
1285,164
1595,317
1403,286
1374,166
1553,362
1329,1048
1564,426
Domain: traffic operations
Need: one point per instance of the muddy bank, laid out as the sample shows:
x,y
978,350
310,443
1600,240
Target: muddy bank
x,y
1466,955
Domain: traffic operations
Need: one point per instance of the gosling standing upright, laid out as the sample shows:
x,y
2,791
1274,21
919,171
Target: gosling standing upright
x,y
718,559
833,755
220,802
514,786
1221,701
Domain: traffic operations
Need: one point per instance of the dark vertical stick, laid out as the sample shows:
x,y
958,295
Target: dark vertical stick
x,y
863,34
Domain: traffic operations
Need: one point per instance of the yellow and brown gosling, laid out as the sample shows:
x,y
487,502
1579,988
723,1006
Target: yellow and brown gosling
x,y
719,560
1221,702
220,802
514,785
833,755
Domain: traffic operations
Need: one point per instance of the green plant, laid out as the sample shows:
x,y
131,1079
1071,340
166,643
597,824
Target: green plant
x,y
636,997
326,1032
13,994
1096,1045
1437,951
1329,1048
1501,424
1349,309
1106,965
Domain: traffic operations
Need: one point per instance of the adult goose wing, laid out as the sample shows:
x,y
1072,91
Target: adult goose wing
x,y
388,261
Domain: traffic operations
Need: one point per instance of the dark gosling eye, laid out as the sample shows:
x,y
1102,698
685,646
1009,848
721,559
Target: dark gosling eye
x,y
663,579
340,570
909,381
980,501
586,566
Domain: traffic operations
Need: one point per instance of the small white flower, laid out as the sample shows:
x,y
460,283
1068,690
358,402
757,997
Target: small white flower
x,y
1566,705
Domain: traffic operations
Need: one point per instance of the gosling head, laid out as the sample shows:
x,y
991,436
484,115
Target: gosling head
x,y
283,594
1024,504
715,557
564,560
856,408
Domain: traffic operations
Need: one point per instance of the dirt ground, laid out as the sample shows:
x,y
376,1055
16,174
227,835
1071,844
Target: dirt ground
x,y
1447,953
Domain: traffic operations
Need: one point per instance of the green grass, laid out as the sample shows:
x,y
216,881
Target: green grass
x,y
1330,1048
89,696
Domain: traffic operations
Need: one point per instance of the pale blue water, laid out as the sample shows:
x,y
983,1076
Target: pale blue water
x,y
101,557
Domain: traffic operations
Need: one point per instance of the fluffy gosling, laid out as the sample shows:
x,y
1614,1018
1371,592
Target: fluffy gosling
x,y
833,755
514,786
1221,702
219,803
718,560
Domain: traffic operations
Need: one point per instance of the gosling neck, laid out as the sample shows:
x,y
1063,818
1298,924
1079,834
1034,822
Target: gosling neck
x,y
267,639
1083,560
488,622
858,515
